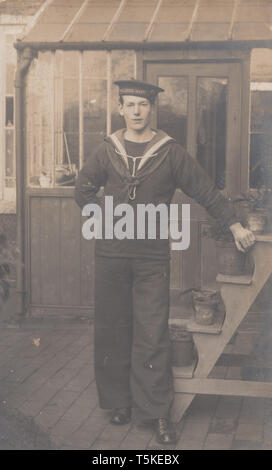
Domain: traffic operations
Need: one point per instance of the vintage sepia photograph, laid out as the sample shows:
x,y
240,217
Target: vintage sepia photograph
x,y
136,227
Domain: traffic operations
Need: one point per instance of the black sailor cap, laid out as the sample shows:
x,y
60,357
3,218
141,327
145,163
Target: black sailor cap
x,y
138,88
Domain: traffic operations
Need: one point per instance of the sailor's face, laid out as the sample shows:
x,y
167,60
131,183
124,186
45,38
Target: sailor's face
x,y
136,112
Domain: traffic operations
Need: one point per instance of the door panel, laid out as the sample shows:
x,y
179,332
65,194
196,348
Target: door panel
x,y
61,261
201,110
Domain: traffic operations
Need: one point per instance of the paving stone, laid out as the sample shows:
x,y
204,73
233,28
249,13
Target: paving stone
x,y
245,343
111,436
218,372
266,445
20,374
38,400
137,440
55,408
246,445
57,440
190,444
202,408
218,441
223,425
228,349
228,406
79,440
98,415
102,444
249,432
6,388
82,406
75,363
234,373
65,359
267,430
86,357
94,425
50,368
61,378
194,430
268,410
80,381
252,410
64,428
134,442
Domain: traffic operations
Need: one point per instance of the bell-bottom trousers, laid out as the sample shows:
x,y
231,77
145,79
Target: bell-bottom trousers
x,y
132,347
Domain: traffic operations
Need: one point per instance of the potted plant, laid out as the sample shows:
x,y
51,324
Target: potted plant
x,y
256,205
205,303
182,346
230,260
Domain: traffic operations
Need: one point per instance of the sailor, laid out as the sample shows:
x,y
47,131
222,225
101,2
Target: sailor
x,y
141,165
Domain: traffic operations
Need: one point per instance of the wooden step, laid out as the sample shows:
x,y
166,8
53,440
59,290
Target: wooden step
x,y
228,279
223,387
214,329
237,298
186,372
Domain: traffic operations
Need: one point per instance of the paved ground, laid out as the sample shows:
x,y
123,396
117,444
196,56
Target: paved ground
x,y
47,386
19,432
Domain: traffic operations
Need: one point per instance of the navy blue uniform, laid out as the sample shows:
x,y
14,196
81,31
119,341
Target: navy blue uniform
x,y
132,353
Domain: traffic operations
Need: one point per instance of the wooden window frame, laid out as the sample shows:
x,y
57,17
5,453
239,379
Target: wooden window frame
x,y
211,56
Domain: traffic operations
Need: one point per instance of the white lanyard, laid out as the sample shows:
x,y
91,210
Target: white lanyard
x,y
150,153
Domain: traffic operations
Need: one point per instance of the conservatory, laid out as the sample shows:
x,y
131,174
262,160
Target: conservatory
x,y
213,59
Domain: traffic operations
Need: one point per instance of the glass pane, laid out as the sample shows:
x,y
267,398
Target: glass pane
x,y
39,120
91,142
261,109
211,127
261,135
94,113
122,67
10,76
67,127
70,105
260,160
10,61
95,64
172,107
71,64
95,105
9,111
10,159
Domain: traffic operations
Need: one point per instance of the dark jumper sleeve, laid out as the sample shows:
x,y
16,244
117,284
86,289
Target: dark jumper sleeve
x,y
194,181
91,177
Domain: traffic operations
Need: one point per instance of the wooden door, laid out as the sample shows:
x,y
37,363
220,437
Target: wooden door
x,y
60,262
201,109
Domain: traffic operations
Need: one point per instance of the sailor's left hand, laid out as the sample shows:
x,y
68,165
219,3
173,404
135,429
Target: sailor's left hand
x,y
244,238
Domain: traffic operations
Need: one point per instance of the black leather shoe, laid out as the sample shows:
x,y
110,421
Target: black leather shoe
x,y
164,434
121,416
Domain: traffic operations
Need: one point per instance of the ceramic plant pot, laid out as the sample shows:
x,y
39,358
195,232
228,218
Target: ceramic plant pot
x,y
230,260
256,221
205,306
182,346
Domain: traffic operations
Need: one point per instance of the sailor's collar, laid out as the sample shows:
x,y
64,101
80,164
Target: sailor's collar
x,y
159,135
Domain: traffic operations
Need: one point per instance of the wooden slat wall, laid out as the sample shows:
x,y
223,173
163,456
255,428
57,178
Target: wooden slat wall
x,y
87,272
35,241
69,253
208,260
61,262
50,250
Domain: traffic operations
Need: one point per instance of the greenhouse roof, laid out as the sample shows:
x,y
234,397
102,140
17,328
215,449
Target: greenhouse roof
x,y
151,21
